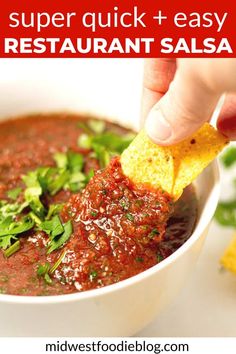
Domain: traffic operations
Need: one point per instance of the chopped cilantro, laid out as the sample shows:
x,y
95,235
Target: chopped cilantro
x,y
7,209
11,227
77,181
52,227
89,175
104,144
68,173
6,241
153,233
124,203
47,279
85,141
102,155
53,210
159,257
61,159
129,216
58,182
14,193
58,241
113,142
97,126
43,269
75,161
93,275
58,262
84,127
32,197
35,218
139,259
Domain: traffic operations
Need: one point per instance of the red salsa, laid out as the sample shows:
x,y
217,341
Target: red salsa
x,y
70,220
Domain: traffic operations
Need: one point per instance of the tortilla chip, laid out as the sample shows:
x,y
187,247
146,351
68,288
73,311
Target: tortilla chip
x,y
171,168
228,260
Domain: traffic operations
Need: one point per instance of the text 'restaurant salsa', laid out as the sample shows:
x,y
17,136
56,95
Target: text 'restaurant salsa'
x,y
69,219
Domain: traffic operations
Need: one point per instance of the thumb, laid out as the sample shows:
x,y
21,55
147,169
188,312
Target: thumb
x,y
188,104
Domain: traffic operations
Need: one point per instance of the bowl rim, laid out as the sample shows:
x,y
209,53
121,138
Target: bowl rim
x,y
96,293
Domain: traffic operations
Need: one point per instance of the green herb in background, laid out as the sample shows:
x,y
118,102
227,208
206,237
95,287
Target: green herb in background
x,y
225,213
229,157
104,144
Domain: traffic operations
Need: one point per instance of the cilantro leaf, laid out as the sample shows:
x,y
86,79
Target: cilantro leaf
x,y
58,182
16,227
53,210
113,142
77,181
75,161
58,241
6,241
52,227
104,144
61,159
102,155
14,193
97,126
7,209
57,263
35,183
85,141
12,249
43,269
32,197
229,157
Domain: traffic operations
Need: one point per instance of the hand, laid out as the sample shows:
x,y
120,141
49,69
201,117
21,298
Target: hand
x,y
179,96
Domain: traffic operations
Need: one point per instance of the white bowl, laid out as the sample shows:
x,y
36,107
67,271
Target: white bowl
x,y
124,308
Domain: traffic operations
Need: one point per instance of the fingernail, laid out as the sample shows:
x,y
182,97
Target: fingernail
x,y
227,126
157,126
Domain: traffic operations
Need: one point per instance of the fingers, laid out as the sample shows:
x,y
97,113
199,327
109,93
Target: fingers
x,y
158,73
189,102
227,120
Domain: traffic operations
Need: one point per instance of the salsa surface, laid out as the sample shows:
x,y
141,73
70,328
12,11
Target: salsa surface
x,y
117,230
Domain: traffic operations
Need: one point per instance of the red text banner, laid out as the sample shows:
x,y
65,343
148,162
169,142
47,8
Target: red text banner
x,y
88,28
